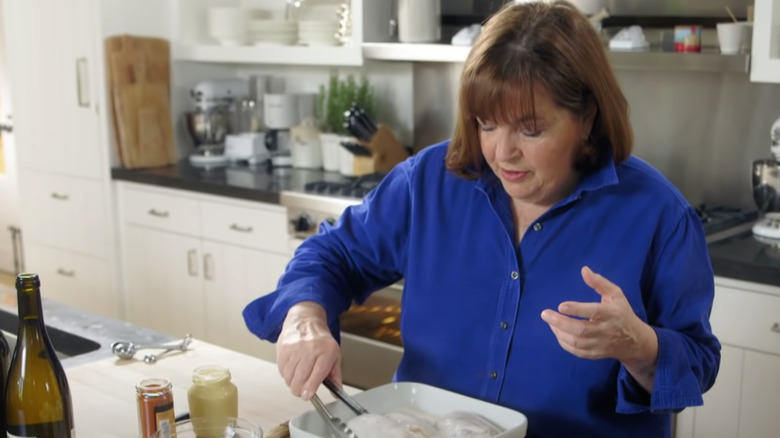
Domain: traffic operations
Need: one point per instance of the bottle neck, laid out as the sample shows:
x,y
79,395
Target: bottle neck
x,y
28,296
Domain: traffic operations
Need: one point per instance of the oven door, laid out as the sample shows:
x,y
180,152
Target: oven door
x,y
371,347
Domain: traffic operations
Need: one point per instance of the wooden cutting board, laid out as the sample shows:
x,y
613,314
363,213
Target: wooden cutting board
x,y
139,83
103,392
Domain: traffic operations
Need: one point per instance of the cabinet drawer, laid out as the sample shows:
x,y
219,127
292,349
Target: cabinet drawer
x,y
161,210
747,319
255,226
80,281
64,212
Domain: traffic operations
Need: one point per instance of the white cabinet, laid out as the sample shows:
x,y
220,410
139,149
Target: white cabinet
x,y
765,52
163,285
192,262
54,84
741,404
54,55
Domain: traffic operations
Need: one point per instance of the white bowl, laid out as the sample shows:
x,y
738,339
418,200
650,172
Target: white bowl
x,y
414,397
223,20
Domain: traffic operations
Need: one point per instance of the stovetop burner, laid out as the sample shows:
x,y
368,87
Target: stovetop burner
x,y
356,187
716,219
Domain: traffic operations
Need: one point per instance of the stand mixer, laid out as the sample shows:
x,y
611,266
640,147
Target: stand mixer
x,y
210,122
766,190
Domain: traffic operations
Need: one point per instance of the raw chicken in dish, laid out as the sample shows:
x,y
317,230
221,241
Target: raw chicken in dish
x,y
410,425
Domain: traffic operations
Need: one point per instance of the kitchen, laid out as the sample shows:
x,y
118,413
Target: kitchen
x,y
702,128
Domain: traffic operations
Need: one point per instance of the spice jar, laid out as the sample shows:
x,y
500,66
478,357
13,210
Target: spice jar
x,y
155,408
212,396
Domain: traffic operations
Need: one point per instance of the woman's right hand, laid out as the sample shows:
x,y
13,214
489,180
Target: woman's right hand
x,y
306,352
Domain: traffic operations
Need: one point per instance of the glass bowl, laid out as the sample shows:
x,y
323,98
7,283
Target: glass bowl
x,y
214,428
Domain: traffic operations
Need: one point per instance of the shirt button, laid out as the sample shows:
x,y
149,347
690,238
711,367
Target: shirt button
x,y
493,375
504,325
515,275
537,226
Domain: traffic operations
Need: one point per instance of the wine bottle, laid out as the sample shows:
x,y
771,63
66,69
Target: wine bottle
x,y
37,396
5,357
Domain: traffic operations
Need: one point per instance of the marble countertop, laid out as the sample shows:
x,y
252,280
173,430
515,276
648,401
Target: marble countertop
x,y
739,257
97,328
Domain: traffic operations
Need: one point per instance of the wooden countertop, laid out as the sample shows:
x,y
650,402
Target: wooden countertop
x,y
103,391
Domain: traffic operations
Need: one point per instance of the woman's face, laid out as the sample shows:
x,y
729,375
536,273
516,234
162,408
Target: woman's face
x,y
534,159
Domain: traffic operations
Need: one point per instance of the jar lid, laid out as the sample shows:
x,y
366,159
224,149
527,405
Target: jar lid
x,y
210,374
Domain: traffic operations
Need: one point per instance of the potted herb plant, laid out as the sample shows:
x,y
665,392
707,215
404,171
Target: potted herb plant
x,y
333,101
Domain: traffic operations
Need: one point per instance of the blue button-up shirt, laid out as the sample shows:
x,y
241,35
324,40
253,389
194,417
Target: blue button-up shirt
x,y
472,300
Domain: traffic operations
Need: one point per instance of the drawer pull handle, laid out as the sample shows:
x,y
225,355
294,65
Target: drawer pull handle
x,y
208,267
59,196
82,82
192,262
66,273
239,228
775,327
156,213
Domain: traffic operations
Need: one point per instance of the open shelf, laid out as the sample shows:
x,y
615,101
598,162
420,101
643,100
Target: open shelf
x,y
709,60
285,55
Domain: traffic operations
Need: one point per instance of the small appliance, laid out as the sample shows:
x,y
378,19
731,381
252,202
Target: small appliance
x,y
210,121
766,189
246,146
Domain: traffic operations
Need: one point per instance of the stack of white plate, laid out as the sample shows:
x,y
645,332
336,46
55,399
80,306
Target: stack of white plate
x,y
278,32
318,32
227,25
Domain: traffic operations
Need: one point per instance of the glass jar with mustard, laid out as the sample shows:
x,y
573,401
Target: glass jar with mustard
x,y
213,396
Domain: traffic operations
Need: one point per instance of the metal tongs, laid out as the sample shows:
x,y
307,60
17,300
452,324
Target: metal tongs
x,y
346,398
337,425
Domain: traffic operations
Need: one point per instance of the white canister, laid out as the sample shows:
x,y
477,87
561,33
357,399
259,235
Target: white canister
x,y
419,21
280,111
330,144
305,147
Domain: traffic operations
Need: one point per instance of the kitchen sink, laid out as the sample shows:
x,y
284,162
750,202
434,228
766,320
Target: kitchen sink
x,y
65,344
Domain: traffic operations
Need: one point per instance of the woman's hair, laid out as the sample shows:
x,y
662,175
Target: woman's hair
x,y
528,45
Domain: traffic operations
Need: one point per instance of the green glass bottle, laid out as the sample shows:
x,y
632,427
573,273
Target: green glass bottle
x,y
37,396
5,357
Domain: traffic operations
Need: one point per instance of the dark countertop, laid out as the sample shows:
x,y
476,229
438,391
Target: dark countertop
x,y
743,257
255,183
740,257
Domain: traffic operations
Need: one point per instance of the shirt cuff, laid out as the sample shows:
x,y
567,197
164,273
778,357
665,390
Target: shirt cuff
x,y
264,316
675,386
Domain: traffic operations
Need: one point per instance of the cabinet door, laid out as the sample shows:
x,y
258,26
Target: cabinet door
x,y
64,212
761,384
234,276
163,282
53,75
765,53
79,281
719,416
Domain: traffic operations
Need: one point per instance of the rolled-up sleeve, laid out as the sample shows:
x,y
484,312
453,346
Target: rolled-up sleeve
x,y
678,292
364,251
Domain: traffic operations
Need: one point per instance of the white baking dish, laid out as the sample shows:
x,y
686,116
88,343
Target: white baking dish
x,y
415,397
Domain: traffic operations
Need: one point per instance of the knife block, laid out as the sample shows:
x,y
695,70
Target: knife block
x,y
386,152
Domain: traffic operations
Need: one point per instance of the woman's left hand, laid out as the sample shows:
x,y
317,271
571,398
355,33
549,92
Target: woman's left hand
x,y
608,328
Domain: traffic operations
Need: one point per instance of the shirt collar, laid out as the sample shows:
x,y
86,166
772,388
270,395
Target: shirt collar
x,y
604,176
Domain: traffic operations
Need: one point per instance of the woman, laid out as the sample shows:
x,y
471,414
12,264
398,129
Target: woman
x,y
545,268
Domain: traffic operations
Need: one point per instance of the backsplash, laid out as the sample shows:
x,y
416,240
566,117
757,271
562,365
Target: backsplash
x,y
702,130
